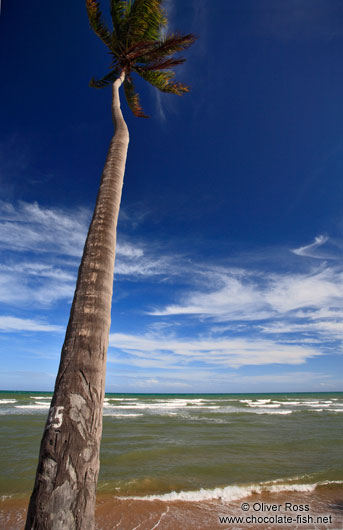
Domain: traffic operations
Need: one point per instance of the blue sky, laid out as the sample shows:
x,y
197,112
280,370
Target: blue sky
x,y
229,264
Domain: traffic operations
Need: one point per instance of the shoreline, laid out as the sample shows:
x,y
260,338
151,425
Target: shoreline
x,y
325,507
189,463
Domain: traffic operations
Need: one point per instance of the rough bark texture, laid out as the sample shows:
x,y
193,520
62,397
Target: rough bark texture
x,y
64,492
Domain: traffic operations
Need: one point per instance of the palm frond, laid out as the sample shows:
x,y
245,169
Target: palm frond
x,y
139,49
137,45
145,21
106,80
163,81
170,45
132,98
160,64
147,51
99,27
120,10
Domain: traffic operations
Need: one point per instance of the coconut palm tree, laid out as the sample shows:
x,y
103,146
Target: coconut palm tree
x,y
68,467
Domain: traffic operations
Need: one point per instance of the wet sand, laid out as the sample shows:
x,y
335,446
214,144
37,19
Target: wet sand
x,y
127,514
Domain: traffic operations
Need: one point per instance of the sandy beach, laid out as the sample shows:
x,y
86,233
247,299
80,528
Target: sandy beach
x,y
325,513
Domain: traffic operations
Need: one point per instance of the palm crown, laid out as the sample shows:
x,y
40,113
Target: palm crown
x,y
137,44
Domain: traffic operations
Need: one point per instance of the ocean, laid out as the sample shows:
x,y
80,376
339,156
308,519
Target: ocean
x,y
192,448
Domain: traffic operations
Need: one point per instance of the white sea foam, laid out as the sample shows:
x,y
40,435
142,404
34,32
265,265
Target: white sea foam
x,y
125,399
229,493
289,402
306,403
119,415
287,481
174,403
40,397
263,409
188,412
127,406
261,402
34,406
7,401
266,411
4,497
319,405
265,405
175,400
156,406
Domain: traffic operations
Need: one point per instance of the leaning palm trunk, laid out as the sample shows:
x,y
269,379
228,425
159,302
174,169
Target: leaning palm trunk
x,y
64,493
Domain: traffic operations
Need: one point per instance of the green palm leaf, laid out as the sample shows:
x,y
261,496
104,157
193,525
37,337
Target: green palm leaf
x,y
106,80
163,81
160,64
145,21
94,16
120,10
169,46
132,98
146,51
137,45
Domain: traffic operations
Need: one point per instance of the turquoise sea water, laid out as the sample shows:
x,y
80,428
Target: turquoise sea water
x,y
190,445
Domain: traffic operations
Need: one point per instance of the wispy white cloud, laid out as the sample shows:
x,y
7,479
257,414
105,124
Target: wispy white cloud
x,y
30,227
161,382
160,108
165,103
329,329
42,247
12,324
303,308
41,270
317,289
248,296
27,380
284,377
171,351
144,267
235,297
129,251
157,383
31,238
35,283
234,316
322,313
311,250
186,378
